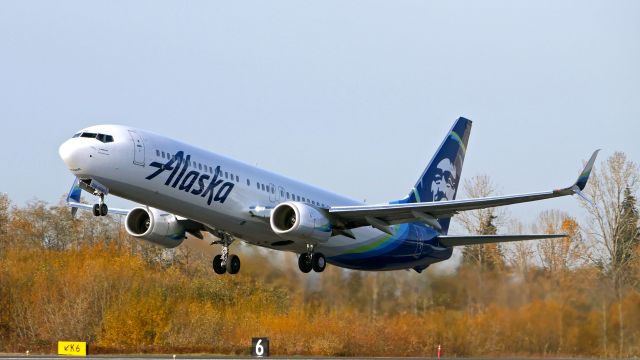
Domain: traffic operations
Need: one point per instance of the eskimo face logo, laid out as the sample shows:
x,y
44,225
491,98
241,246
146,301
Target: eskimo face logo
x,y
443,186
185,181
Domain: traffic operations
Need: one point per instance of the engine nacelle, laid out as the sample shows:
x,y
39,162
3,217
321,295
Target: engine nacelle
x,y
300,222
155,226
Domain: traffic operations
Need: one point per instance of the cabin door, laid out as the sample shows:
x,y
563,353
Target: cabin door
x,y
138,148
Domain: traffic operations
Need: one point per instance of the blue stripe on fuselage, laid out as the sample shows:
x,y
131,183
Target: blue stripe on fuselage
x,y
410,243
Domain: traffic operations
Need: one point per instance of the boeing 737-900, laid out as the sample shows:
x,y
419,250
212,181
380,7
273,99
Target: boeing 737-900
x,y
184,190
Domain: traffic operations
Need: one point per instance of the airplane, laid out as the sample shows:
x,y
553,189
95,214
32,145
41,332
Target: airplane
x,y
184,190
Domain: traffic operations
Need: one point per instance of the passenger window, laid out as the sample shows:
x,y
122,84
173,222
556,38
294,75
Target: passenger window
x,y
258,185
304,200
273,190
199,166
226,175
248,182
287,195
210,170
237,178
158,153
298,196
262,186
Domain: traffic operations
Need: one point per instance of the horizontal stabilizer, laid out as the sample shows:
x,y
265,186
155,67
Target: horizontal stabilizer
x,y
452,240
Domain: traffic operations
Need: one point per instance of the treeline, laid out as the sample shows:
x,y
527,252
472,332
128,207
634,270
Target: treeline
x,y
86,279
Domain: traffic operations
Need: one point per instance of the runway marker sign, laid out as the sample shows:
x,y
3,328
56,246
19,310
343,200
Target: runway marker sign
x,y
72,348
260,347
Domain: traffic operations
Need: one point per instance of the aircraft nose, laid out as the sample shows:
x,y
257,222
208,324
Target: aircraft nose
x,y
70,152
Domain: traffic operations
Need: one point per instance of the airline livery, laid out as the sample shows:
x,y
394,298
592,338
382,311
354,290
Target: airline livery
x,y
187,190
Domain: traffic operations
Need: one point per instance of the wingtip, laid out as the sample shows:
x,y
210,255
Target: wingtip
x,y
74,192
586,172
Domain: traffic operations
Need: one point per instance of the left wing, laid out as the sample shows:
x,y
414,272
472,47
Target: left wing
x,y
381,216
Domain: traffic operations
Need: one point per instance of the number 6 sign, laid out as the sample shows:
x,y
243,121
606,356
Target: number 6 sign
x,y
260,347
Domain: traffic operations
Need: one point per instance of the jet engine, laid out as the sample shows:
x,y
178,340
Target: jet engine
x,y
155,226
300,222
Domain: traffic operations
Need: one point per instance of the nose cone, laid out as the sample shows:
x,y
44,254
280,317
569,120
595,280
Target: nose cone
x,y
71,153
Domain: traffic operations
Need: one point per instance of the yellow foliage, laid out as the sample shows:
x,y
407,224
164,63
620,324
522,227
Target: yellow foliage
x,y
120,298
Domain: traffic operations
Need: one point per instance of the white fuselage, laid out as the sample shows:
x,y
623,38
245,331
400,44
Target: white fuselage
x,y
127,166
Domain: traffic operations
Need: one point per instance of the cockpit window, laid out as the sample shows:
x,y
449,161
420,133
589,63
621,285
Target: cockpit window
x,y
76,135
88,135
100,137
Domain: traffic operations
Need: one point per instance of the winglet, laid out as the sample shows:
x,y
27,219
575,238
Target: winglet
x,y
584,175
74,196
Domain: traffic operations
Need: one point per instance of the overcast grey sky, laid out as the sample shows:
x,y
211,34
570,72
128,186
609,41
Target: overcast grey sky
x,y
353,96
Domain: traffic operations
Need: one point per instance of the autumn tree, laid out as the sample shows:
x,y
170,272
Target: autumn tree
x,y
612,215
559,255
519,254
482,222
5,205
629,237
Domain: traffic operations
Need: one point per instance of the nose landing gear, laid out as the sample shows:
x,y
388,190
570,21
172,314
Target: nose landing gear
x,y
97,189
101,208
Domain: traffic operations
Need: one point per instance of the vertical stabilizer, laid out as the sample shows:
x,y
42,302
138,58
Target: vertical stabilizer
x,y
441,177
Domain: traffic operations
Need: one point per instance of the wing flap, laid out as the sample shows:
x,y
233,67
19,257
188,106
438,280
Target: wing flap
x,y
455,240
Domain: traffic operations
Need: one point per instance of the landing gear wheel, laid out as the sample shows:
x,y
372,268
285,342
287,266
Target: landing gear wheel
x,y
233,265
304,263
318,262
96,209
104,210
217,265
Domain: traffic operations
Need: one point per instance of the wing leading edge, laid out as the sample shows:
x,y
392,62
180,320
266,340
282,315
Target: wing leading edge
x,y
429,212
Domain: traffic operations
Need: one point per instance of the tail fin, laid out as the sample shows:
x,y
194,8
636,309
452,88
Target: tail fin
x,y
440,179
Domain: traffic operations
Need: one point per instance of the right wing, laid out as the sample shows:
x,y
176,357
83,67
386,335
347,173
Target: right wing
x,y
381,216
73,201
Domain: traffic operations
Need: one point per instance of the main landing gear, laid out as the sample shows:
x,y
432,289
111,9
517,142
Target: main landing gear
x,y
311,261
225,262
101,208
